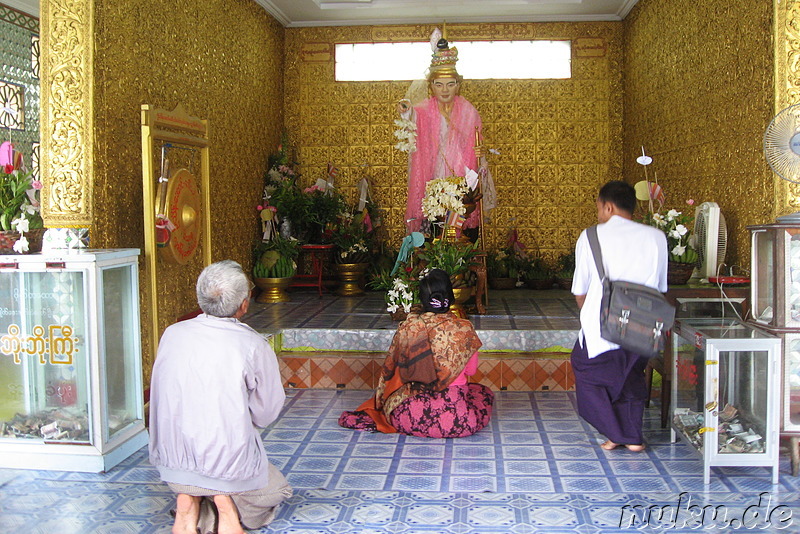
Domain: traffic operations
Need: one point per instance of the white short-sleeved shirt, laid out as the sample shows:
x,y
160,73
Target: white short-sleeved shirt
x,y
632,252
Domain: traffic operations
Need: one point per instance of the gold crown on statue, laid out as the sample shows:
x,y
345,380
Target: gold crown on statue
x,y
443,61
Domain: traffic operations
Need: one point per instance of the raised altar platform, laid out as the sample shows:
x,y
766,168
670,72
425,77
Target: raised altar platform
x,y
338,342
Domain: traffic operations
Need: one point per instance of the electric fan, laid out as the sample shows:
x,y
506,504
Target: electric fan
x,y
782,149
711,238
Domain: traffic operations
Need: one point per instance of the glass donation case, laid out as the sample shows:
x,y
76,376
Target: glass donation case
x,y
775,295
724,392
70,360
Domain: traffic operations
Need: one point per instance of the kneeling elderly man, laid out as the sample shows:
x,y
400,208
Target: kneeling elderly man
x,y
215,382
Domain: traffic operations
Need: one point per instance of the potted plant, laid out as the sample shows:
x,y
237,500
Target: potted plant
x,y
20,221
565,270
683,257
321,212
502,270
352,253
538,275
274,266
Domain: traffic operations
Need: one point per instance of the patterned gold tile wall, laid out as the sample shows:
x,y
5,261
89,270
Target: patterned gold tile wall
x,y
188,52
698,96
559,139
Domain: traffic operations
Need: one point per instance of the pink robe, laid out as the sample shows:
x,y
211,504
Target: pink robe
x,y
429,162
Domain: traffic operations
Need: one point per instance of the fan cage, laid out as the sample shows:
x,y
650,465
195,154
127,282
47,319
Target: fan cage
x,y
701,231
782,144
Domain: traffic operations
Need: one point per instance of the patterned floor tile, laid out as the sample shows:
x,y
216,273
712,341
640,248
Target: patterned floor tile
x,y
503,479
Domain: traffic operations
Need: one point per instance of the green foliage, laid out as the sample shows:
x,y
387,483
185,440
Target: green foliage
x,y
323,209
276,258
353,242
453,257
14,200
537,269
566,265
506,263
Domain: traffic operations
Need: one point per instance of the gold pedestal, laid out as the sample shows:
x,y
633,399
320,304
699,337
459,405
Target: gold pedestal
x,y
272,289
350,275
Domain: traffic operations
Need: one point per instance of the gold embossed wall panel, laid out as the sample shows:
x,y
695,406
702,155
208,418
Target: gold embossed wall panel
x,y
558,139
223,61
698,96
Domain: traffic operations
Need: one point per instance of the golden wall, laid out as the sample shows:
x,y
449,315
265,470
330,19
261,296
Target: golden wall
x,y
149,52
558,139
698,96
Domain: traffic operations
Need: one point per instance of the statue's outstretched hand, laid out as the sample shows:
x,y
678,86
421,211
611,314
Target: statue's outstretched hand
x,y
403,106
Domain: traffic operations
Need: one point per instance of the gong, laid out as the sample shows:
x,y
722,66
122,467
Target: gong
x,y
183,209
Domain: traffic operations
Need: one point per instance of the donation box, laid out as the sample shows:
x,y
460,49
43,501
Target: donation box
x,y
70,360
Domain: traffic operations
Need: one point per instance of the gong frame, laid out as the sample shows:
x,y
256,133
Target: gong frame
x,y
176,126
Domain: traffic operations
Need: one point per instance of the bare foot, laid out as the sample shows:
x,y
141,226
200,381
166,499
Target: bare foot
x,y
609,445
187,513
635,448
228,515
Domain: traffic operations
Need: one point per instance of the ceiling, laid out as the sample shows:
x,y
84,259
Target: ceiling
x,y
299,13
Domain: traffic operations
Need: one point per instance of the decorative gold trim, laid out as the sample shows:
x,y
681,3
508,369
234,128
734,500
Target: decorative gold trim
x,y
67,112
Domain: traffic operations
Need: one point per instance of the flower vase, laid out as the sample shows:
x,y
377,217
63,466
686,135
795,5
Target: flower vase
x,y
462,295
678,274
350,275
272,289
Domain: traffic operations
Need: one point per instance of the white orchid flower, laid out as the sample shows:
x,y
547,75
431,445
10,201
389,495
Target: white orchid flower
x,y
671,214
681,229
21,245
679,250
21,225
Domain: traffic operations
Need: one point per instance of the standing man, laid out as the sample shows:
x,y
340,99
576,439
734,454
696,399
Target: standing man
x,y
448,130
609,380
215,382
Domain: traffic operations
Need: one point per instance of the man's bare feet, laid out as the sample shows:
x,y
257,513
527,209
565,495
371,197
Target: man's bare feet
x,y
635,448
187,512
609,446
228,515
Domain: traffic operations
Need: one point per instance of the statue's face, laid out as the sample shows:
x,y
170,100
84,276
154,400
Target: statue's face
x,y
444,89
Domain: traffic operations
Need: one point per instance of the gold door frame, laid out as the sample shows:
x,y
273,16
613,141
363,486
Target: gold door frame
x,y
177,127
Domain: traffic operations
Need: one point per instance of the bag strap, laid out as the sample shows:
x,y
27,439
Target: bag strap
x,y
594,243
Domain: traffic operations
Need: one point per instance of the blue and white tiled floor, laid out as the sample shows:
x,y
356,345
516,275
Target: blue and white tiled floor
x,y
537,468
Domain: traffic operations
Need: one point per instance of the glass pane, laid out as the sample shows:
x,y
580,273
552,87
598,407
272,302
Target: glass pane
x,y
763,306
743,401
688,416
477,60
120,347
44,383
793,281
792,378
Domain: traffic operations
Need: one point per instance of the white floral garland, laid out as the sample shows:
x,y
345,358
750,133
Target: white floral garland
x,y
407,135
443,195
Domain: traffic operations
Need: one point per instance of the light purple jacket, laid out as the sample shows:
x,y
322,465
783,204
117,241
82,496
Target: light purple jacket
x,y
215,381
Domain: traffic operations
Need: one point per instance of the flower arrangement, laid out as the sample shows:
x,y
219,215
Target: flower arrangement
x,y
352,240
443,195
19,198
675,225
406,133
400,296
453,257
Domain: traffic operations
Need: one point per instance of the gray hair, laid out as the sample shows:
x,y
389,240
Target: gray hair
x,y
221,288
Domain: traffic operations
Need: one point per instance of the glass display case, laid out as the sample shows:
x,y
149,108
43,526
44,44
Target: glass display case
x,y
725,405
775,275
70,360
775,290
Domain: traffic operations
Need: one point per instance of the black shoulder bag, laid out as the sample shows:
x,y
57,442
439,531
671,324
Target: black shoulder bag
x,y
633,316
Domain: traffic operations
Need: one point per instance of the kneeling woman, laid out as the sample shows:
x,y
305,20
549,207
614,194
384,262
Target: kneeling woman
x,y
423,389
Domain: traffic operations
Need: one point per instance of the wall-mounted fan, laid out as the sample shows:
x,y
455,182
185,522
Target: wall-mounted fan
x,y
711,238
782,149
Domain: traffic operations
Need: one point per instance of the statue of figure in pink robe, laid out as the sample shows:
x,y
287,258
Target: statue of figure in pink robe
x,y
448,134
